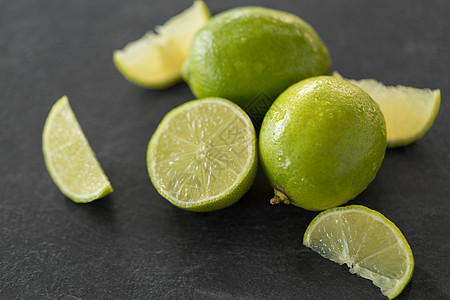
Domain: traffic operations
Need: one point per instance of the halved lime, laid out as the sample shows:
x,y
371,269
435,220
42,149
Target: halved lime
x,y
202,156
69,158
371,246
409,112
155,60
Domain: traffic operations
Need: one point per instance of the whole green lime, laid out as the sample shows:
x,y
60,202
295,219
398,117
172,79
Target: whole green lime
x,y
321,143
251,54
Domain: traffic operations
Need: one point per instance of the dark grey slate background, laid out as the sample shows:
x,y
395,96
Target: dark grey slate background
x,y
134,244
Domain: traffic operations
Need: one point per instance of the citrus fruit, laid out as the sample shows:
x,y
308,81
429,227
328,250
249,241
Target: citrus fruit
x,y
321,143
202,156
250,55
409,112
69,158
155,60
367,242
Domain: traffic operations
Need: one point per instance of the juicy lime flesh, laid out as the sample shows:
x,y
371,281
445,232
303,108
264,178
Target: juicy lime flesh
x,y
250,55
155,60
368,243
409,112
69,158
203,155
184,26
322,142
145,61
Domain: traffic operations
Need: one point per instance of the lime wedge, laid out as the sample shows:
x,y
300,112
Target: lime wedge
x,y
155,60
409,112
367,242
69,158
202,156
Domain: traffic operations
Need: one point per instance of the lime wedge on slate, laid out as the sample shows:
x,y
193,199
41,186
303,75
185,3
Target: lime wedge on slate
x,y
155,60
367,242
69,158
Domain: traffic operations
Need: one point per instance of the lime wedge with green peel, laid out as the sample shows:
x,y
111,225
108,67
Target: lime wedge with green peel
x,y
367,242
69,158
202,156
155,60
409,112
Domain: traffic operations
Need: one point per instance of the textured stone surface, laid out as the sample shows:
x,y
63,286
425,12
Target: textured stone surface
x,y
136,245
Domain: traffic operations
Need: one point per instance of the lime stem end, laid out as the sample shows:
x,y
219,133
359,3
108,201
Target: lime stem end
x,y
279,197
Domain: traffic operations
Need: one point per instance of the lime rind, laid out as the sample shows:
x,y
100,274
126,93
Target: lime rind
x,y
155,60
409,112
390,287
231,192
65,175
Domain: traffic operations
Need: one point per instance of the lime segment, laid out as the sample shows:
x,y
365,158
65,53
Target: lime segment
x,y
371,246
69,158
202,156
409,112
155,60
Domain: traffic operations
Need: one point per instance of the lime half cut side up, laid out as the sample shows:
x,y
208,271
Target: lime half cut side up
x,y
409,112
70,160
155,60
202,156
367,242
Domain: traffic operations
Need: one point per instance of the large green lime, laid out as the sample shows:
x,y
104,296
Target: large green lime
x,y
251,54
322,142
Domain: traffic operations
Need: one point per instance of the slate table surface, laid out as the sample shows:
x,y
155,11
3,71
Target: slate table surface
x,y
136,245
